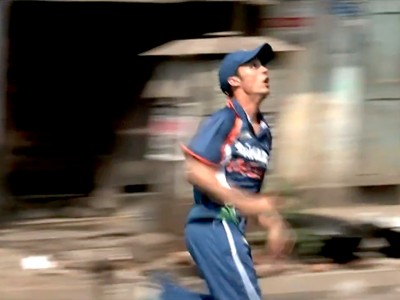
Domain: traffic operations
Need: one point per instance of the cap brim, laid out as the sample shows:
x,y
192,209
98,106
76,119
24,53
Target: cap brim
x,y
264,53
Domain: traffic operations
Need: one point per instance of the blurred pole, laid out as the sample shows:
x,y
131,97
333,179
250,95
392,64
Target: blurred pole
x,y
321,67
346,88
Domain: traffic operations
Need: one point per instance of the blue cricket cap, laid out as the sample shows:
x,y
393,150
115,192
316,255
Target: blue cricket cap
x,y
234,60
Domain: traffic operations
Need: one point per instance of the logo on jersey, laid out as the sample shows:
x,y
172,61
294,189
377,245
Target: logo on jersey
x,y
245,135
251,153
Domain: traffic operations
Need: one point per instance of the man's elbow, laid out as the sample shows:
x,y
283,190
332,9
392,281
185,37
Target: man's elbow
x,y
191,179
196,172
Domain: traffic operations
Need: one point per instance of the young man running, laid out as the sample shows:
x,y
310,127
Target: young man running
x,y
225,162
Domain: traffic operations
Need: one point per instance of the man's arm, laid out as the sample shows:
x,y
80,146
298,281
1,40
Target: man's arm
x,y
205,178
204,154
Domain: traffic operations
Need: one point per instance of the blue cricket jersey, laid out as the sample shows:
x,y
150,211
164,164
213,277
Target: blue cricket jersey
x,y
227,141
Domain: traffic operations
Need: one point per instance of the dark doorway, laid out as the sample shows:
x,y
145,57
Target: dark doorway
x,y
74,73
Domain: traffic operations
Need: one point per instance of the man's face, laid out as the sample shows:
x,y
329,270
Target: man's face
x,y
253,78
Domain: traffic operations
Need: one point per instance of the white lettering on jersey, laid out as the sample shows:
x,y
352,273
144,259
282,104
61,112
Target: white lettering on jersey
x,y
252,153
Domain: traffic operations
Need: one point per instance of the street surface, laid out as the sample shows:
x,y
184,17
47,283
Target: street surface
x,y
77,247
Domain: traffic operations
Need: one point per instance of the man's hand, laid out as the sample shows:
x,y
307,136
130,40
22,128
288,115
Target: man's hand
x,y
281,237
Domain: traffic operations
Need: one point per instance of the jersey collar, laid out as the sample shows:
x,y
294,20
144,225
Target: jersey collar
x,y
234,104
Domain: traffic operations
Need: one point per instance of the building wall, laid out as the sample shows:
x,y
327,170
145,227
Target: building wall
x,y
380,141
346,138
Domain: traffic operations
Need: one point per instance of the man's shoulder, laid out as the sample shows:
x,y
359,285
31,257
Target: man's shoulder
x,y
219,123
224,117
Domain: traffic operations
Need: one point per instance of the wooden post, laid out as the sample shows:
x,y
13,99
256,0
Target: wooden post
x,y
4,23
238,17
4,20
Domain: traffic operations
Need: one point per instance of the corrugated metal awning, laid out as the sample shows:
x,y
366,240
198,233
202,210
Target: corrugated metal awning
x,y
175,78
219,45
257,2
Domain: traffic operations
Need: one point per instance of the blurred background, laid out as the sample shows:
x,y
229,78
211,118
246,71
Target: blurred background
x,y
97,95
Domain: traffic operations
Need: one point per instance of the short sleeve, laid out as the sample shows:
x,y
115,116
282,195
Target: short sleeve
x,y
211,136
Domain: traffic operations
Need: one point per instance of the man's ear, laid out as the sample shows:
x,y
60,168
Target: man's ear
x,y
234,81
